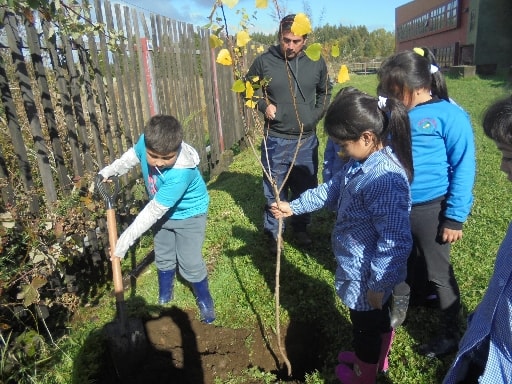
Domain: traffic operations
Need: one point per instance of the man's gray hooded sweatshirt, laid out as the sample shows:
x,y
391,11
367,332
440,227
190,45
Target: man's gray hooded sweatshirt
x,y
306,80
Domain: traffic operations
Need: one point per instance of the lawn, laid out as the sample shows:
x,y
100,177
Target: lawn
x,y
242,272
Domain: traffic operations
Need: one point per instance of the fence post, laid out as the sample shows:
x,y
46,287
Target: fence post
x,y
149,75
217,101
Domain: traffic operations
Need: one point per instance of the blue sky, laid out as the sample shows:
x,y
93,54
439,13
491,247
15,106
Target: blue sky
x,y
373,14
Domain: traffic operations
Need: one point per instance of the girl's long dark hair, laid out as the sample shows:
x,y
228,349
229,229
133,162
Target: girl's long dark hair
x,y
353,112
399,75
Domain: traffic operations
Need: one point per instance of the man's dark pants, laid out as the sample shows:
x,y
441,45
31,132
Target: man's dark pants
x,y
277,155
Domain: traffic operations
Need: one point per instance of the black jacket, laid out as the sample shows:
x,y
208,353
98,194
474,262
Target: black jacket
x,y
304,80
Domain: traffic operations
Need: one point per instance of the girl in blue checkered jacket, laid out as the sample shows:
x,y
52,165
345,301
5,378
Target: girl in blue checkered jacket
x,y
371,238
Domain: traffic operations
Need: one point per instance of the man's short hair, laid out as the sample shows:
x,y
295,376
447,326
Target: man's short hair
x,y
285,25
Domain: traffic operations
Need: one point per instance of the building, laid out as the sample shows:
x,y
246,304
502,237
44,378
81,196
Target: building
x,y
460,32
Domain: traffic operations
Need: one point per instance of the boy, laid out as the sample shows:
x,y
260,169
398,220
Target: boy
x,y
176,210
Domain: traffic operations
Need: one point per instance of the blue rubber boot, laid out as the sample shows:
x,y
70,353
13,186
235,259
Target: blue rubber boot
x,y
204,301
165,285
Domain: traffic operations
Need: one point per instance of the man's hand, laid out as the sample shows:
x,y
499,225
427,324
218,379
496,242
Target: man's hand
x,y
270,112
375,299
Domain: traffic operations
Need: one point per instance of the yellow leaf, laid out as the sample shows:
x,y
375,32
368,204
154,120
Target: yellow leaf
x,y
335,50
419,51
255,79
250,104
301,25
314,51
343,74
261,3
238,86
242,38
230,3
215,41
224,57
249,90
260,49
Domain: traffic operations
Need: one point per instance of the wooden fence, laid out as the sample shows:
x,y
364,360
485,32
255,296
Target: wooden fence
x,y
72,105
364,68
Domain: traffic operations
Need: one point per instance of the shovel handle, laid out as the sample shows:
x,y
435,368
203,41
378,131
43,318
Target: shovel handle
x,y
117,275
109,191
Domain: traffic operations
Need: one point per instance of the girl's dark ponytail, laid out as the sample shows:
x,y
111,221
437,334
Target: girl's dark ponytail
x,y
438,85
399,133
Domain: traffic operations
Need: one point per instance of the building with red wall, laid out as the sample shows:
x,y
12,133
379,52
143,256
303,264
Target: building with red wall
x,y
460,32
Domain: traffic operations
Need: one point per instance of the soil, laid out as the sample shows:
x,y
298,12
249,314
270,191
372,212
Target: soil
x,y
180,349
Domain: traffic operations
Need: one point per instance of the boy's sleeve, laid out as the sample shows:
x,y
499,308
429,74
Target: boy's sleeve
x,y
151,213
122,165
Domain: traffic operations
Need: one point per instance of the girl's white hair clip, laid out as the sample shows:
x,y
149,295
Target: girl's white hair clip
x,y
382,102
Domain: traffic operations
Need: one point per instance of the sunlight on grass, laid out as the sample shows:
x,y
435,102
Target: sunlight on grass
x,y
242,271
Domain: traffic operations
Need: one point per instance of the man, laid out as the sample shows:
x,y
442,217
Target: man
x,y
294,100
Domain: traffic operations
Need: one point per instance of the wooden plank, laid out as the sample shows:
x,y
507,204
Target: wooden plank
x,y
144,93
8,197
207,90
181,85
197,96
127,74
110,97
151,54
41,151
63,87
126,131
174,92
76,99
48,111
134,79
160,68
98,86
6,191
91,105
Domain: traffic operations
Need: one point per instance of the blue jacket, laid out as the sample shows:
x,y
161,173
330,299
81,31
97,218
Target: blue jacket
x,y
443,152
183,190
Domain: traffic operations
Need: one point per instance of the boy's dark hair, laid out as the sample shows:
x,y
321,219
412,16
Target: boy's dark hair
x,y
285,25
400,74
163,134
353,112
497,121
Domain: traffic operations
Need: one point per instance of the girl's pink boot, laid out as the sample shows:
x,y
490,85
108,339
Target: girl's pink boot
x,y
360,373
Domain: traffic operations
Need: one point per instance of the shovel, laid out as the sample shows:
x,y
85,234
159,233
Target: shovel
x,y
125,336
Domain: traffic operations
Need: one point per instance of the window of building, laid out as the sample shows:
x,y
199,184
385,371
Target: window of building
x,y
440,18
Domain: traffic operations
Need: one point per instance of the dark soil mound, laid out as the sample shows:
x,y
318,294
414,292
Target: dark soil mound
x,y
184,350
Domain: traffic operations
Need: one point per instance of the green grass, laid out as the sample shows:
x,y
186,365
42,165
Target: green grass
x,y
242,271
